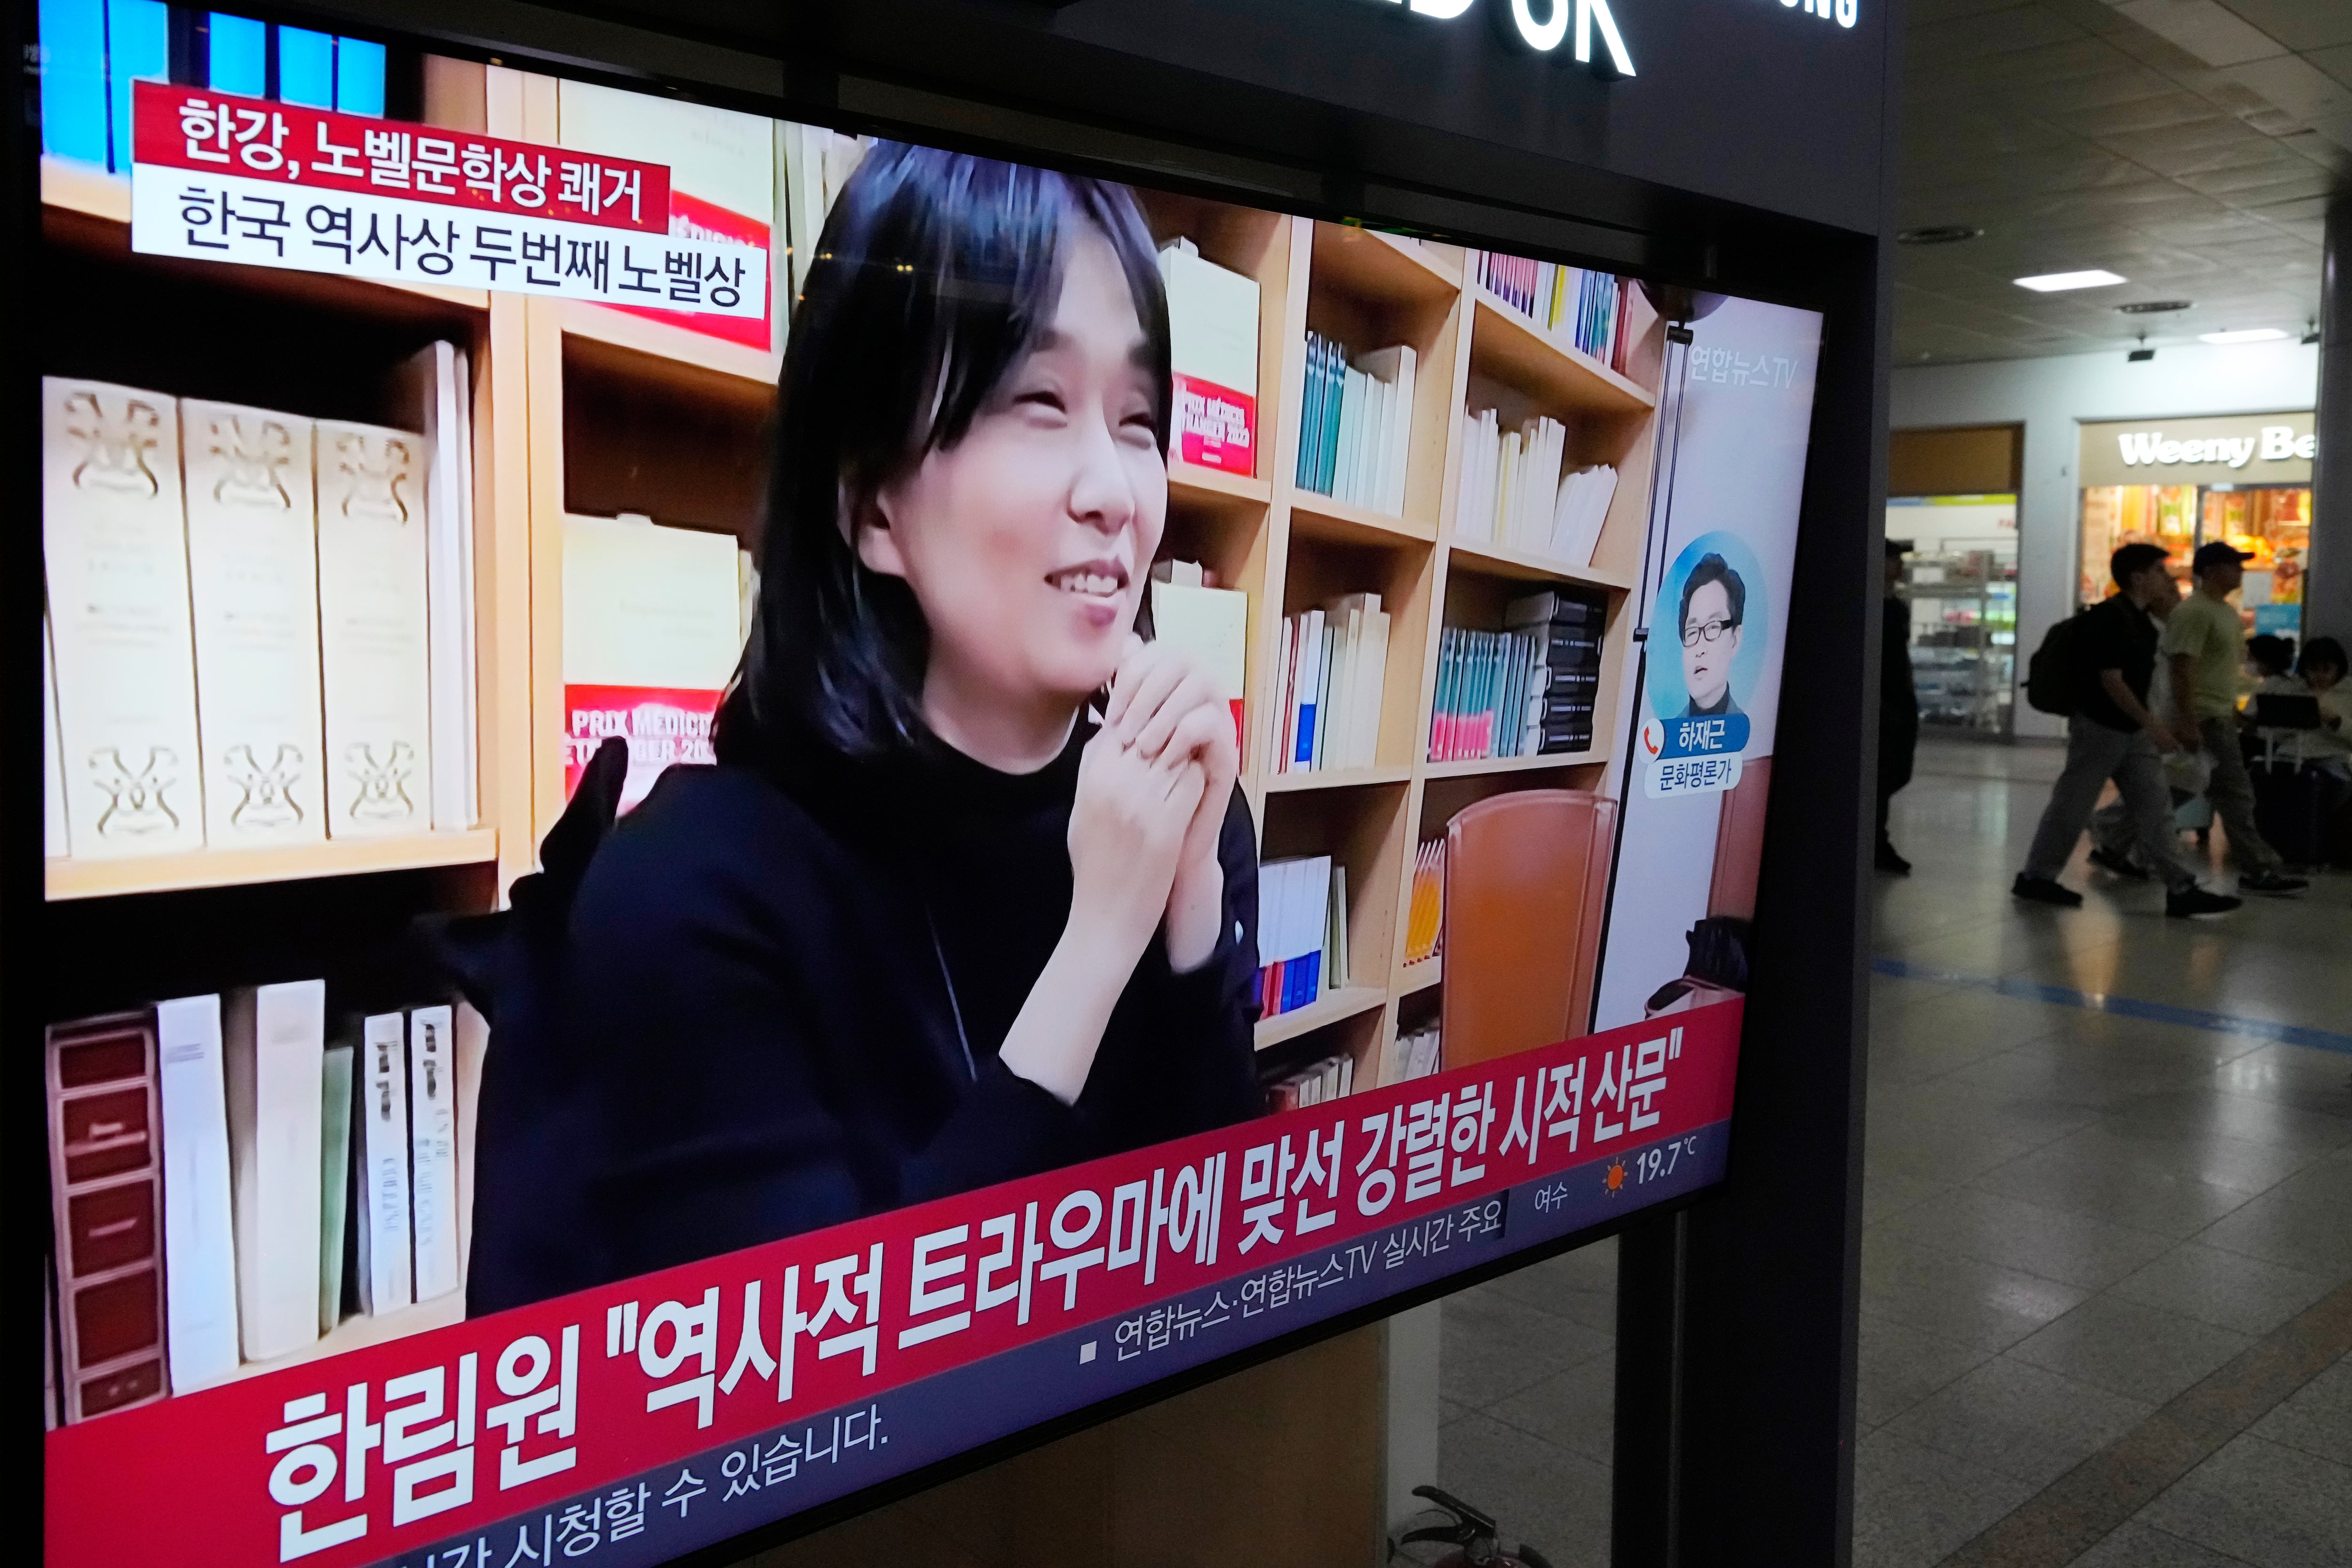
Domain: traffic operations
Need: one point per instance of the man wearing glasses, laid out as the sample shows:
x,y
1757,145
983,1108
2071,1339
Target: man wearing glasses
x,y
1715,601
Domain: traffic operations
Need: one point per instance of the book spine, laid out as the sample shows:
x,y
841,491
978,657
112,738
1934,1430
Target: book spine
x,y
386,1281
448,606
199,1237
373,631
433,1149
104,1176
114,537
1335,366
253,574
335,1103
57,838
275,1045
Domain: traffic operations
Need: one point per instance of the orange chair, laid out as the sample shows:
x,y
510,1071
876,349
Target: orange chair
x,y
1527,881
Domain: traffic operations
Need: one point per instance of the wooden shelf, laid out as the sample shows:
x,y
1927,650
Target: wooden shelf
x,y
1421,976
1215,487
1364,261
668,341
358,1333
100,208
237,868
1510,346
1317,516
1508,561
1334,778
1471,766
1329,1008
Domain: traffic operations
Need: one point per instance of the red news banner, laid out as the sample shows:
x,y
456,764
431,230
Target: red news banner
x,y
359,1458
219,178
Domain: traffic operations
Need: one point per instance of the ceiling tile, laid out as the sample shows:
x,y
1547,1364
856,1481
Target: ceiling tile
x,y
2300,24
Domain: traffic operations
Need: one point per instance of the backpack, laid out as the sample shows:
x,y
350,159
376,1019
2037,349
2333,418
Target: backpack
x,y
2053,677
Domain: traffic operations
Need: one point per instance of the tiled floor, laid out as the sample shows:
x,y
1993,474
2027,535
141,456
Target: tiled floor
x,y
2075,1219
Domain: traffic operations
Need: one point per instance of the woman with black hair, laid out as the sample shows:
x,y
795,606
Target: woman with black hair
x,y
970,893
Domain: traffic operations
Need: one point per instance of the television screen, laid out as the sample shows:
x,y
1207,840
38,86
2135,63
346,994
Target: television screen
x,y
740,808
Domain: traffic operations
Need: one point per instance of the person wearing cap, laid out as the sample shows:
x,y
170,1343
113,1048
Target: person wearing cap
x,y
2204,647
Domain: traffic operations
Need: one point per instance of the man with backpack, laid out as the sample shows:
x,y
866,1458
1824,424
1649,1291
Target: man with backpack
x,y
2102,659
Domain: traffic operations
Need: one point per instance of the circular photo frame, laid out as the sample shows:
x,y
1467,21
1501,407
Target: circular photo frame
x,y
1708,629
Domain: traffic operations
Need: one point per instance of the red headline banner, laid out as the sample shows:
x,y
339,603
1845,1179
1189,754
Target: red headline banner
x,y
317,149
355,1458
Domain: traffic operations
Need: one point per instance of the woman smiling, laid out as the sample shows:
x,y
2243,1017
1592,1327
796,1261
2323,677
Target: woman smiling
x,y
970,892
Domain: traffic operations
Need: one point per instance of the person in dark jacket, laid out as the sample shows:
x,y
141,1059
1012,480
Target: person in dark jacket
x,y
970,892
1898,708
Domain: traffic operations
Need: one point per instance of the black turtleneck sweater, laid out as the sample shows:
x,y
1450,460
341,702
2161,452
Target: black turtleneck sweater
x,y
785,993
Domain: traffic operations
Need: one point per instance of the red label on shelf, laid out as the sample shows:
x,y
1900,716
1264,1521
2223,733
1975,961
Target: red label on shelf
x,y
317,149
1216,427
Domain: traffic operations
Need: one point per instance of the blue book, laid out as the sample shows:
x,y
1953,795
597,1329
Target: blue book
x,y
138,47
73,81
359,78
239,48
1334,385
305,67
1311,412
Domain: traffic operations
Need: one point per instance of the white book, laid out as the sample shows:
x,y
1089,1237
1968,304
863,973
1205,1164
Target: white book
x,y
1310,689
372,629
1275,758
1337,975
1313,912
1212,625
433,1148
253,581
274,1044
1372,682
1351,414
199,1224
1347,638
55,837
115,540
380,1165
1212,319
1376,442
429,386
471,725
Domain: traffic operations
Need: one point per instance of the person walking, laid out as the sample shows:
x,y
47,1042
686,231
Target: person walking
x,y
2115,844
2204,645
1898,709
2111,734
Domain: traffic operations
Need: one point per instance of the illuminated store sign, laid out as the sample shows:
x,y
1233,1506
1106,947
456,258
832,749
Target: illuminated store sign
x,y
1584,19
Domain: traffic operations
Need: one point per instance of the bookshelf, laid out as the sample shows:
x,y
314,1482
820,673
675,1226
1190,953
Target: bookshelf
x,y
583,409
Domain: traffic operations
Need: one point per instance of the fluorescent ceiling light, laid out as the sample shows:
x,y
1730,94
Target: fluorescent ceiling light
x,y
2057,282
2243,335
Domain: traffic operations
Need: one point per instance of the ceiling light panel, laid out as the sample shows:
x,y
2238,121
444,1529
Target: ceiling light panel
x,y
2059,282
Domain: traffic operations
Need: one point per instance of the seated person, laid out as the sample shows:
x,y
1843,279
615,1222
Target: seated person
x,y
2329,747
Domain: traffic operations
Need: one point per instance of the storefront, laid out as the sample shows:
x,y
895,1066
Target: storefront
x,y
1959,577
460,1150
2244,480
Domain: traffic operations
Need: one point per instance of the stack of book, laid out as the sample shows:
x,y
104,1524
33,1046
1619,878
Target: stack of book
x,y
1355,424
1522,692
1424,932
1417,1052
1566,628
1331,672
1588,307
1333,1078
231,1183
1516,490
1213,350
1212,623
261,624
1302,931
